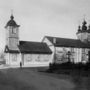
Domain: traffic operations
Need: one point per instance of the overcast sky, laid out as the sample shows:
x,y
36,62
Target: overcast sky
x,y
38,18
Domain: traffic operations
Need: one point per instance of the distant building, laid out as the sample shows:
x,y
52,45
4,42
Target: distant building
x,y
27,52
74,50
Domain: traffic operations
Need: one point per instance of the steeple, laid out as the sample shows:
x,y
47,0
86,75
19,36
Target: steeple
x,y
12,33
84,27
79,28
12,17
82,31
12,22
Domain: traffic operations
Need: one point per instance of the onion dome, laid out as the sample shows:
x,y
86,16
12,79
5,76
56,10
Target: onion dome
x,y
79,29
84,27
11,22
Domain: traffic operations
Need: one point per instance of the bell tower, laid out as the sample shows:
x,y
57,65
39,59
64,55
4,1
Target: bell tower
x,y
12,34
82,33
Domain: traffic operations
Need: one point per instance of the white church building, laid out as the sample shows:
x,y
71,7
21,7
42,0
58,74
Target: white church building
x,y
74,50
49,50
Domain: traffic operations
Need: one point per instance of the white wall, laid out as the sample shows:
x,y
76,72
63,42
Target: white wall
x,y
61,54
77,55
47,42
14,59
30,60
37,59
89,37
82,36
7,58
85,56
12,39
50,45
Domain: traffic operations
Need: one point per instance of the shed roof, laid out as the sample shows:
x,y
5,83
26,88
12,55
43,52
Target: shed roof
x,y
34,47
30,48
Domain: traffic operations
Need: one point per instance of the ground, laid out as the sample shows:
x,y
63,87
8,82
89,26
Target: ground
x,y
28,79
36,79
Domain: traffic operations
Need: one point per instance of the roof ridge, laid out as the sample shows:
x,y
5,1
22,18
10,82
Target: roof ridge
x,y
32,41
65,42
61,38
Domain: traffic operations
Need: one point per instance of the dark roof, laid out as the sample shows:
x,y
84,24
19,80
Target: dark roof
x,y
8,50
64,42
11,22
34,47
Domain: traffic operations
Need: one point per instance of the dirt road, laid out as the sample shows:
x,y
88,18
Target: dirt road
x,y
39,81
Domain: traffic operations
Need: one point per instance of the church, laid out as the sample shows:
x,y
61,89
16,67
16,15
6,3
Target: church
x,y
49,50
28,53
73,50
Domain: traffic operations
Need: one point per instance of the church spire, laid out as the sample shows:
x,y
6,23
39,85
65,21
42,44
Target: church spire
x,y
12,22
79,29
84,27
12,17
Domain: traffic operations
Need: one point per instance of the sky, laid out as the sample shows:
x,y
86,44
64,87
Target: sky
x,y
39,18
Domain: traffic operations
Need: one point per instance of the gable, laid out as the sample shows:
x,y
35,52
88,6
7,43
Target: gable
x,y
47,41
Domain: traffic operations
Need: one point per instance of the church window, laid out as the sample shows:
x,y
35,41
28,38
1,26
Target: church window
x,y
38,58
14,57
29,58
13,30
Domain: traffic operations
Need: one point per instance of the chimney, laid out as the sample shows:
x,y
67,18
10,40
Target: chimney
x,y
54,40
